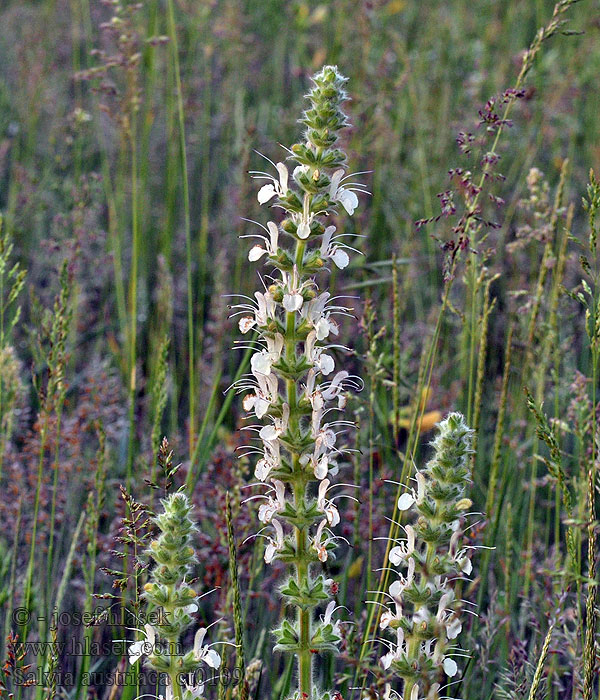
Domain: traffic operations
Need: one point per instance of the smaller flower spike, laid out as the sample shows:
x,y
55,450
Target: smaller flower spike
x,y
169,591
293,386
423,612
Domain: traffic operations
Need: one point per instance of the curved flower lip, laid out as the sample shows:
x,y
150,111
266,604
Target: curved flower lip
x,y
143,647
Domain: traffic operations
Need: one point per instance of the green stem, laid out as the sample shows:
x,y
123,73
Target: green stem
x,y
133,295
302,567
188,236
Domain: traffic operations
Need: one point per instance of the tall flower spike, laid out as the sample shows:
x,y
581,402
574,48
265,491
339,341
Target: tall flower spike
x,y
292,385
169,591
424,613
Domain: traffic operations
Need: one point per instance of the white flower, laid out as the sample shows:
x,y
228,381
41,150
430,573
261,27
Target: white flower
x,y
327,618
275,545
403,551
266,393
396,651
205,653
398,587
326,506
191,689
273,506
278,427
334,252
261,361
271,244
461,557
345,196
143,647
270,460
265,310
319,318
407,499
335,389
190,609
279,188
321,540
293,302
303,228
388,617
320,460
317,356
292,298
446,618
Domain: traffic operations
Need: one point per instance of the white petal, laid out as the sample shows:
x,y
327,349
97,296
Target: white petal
x,y
385,619
396,589
323,328
303,230
270,550
335,182
321,468
261,407
135,651
329,612
333,516
349,200
269,432
405,501
292,302
453,628
266,193
245,323
256,253
466,566
262,469
340,258
248,402
212,658
386,661
326,364
450,667
274,234
283,177
261,362
198,639
396,555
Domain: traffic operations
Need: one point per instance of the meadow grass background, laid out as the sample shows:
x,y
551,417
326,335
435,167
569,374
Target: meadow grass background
x,y
125,147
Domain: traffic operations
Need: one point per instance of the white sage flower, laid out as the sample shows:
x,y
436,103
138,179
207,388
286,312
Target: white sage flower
x,y
345,196
273,506
265,394
205,653
274,545
143,647
271,244
407,499
262,361
278,187
326,506
336,253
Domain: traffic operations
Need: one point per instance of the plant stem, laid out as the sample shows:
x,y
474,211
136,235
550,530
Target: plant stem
x,y
188,235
